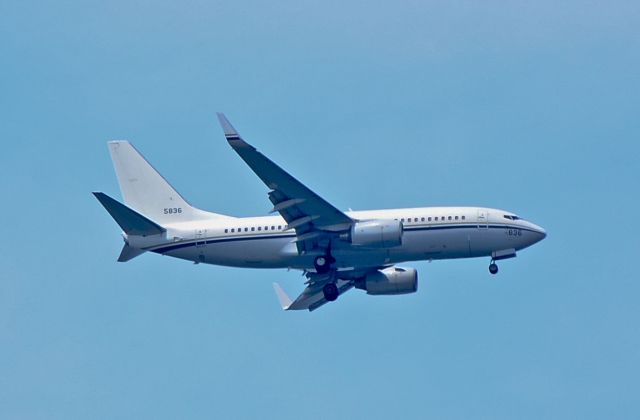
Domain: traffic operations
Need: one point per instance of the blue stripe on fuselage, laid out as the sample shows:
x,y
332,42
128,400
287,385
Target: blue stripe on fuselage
x,y
165,248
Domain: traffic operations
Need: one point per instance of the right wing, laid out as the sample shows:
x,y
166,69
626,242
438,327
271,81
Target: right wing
x,y
305,211
314,219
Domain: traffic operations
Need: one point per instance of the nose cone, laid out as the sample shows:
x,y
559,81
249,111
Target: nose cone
x,y
540,233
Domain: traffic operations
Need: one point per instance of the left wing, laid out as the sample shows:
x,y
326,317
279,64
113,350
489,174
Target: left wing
x,y
310,215
311,297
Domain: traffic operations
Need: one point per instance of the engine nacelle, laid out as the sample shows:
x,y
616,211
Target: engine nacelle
x,y
376,233
390,281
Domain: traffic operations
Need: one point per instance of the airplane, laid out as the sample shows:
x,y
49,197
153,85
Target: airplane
x,y
335,250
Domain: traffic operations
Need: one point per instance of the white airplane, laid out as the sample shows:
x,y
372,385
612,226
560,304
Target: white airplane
x,y
336,250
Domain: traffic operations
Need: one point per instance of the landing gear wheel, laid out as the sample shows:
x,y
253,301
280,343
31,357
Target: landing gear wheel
x,y
322,263
330,291
493,268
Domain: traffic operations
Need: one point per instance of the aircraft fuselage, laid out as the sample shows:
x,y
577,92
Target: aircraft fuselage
x,y
429,233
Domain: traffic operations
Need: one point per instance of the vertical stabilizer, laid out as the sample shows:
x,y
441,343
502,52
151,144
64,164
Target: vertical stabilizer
x,y
146,191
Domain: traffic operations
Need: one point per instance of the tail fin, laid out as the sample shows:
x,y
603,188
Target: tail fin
x,y
146,191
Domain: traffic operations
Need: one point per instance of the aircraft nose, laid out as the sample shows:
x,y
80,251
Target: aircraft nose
x,y
540,231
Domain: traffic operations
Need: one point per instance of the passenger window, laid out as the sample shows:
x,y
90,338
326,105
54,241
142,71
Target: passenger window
x,y
456,217
423,219
462,217
402,220
253,229
232,230
429,219
259,227
415,220
246,229
280,227
273,228
449,217
226,231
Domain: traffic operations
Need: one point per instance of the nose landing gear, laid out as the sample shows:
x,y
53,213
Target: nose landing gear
x,y
493,267
500,255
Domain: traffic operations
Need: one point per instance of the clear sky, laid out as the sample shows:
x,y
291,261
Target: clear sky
x,y
527,106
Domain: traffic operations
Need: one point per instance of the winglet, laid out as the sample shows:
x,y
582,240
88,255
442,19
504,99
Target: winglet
x,y
285,301
229,132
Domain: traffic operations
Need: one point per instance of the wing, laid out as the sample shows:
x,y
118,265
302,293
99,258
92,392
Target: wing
x,y
310,215
312,296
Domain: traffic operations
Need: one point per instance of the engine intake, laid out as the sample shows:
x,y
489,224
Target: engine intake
x,y
376,233
390,281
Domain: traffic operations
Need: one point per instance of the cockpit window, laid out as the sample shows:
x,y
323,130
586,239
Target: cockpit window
x,y
511,217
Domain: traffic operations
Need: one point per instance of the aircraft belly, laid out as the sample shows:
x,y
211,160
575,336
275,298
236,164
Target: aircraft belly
x,y
486,240
361,257
260,253
434,244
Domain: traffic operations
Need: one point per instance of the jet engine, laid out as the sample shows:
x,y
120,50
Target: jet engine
x,y
376,233
390,281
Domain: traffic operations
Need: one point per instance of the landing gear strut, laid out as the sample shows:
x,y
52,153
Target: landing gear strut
x,y
493,268
330,291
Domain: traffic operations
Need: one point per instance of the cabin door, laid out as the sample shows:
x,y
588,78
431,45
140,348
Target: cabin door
x,y
201,236
483,219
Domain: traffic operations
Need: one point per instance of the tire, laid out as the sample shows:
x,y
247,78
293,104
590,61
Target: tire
x,y
321,264
331,292
493,268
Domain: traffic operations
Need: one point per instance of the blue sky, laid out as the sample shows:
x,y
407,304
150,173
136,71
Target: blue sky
x,y
527,106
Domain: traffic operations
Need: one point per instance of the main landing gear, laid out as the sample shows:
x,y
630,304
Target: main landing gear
x,y
493,267
330,291
323,263
500,255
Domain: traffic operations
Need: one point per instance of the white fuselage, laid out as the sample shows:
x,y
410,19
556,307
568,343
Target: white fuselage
x,y
429,233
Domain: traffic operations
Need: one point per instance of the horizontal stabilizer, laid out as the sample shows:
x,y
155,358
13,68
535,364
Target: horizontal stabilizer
x,y
130,221
129,253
